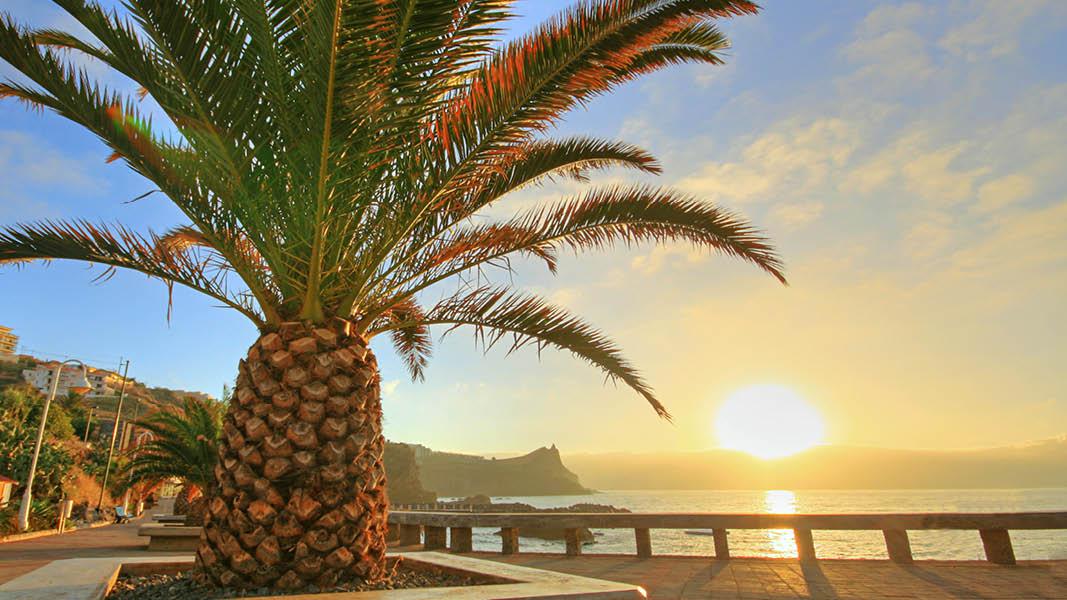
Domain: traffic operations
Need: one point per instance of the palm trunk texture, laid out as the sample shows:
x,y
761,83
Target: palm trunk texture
x,y
299,495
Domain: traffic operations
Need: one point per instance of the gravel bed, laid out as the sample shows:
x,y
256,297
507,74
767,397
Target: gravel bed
x,y
183,586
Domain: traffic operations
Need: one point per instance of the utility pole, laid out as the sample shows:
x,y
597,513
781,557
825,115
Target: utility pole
x,y
114,434
89,423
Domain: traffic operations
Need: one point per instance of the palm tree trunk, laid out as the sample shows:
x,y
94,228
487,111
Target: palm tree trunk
x,y
299,495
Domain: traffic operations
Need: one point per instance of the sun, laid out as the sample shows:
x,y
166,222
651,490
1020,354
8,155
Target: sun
x,y
768,421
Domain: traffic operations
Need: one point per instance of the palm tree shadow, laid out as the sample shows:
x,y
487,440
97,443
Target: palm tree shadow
x,y
819,587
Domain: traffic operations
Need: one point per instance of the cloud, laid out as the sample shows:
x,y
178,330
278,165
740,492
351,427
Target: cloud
x,y
389,387
928,239
27,158
891,17
797,214
708,76
794,155
1004,191
996,28
919,163
1019,244
667,255
888,63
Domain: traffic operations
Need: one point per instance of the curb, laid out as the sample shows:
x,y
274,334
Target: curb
x,y
19,537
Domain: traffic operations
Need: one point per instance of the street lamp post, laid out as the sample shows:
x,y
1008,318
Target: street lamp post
x,y
80,387
114,434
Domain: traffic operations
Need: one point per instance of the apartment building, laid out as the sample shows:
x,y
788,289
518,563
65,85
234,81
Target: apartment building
x,y
8,342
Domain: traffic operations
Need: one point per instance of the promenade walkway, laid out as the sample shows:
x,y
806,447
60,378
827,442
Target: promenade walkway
x,y
17,558
671,578
686,578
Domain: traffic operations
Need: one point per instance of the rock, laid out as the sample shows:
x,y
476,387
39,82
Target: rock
x,y
585,536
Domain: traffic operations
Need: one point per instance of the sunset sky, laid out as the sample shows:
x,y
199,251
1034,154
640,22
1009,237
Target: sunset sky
x,y
909,160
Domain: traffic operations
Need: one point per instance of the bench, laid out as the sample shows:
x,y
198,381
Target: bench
x,y
169,519
170,538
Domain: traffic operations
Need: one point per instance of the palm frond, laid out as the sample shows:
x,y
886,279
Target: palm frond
x,y
498,313
182,444
118,247
411,338
334,158
596,220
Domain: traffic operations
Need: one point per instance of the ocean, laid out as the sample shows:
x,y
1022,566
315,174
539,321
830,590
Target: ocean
x,y
954,545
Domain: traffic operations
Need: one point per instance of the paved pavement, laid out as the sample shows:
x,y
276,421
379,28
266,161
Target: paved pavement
x,y
670,577
17,558
785,579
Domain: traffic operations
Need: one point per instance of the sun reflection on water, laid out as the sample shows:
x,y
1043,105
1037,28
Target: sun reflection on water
x,y
781,540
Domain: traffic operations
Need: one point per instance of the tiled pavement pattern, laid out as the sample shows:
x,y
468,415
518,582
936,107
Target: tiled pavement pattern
x,y
774,579
17,558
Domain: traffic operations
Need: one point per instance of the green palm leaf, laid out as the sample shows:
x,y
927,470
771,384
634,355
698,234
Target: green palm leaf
x,y
183,444
334,158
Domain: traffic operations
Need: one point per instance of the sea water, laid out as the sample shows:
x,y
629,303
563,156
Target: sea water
x,y
954,545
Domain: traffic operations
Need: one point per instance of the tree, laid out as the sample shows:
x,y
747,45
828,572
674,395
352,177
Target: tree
x,y
53,465
21,406
335,160
183,445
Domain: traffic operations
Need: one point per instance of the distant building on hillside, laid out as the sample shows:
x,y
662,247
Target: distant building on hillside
x,y
105,383
8,343
197,395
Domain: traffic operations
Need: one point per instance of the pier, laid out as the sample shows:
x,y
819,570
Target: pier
x,y
438,530
728,577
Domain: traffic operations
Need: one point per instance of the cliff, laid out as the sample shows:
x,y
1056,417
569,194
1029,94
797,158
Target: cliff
x,y
402,473
539,473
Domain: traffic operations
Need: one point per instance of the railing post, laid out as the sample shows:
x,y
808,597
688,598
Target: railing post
x,y
574,541
509,540
722,545
461,539
644,543
436,538
997,544
410,535
805,544
898,546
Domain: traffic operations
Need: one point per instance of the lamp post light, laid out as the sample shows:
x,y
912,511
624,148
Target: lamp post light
x,y
80,386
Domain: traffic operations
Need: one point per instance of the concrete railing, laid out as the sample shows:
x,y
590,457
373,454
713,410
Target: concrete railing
x,y
438,507
993,528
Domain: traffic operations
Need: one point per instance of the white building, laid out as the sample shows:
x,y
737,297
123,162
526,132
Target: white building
x,y
105,383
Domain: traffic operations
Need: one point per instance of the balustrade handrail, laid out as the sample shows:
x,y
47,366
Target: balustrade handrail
x,y
837,521
992,527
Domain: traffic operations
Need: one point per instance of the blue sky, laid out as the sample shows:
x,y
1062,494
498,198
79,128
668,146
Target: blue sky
x,y
906,157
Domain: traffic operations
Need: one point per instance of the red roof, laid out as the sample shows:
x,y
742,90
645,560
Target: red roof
x,y
7,480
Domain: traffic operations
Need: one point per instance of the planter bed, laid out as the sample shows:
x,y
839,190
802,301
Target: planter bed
x,y
94,578
182,585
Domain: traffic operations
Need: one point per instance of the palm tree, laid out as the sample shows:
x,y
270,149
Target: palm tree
x,y
183,445
334,159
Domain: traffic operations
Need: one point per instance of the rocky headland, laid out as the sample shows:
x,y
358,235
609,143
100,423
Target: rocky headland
x,y
539,473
